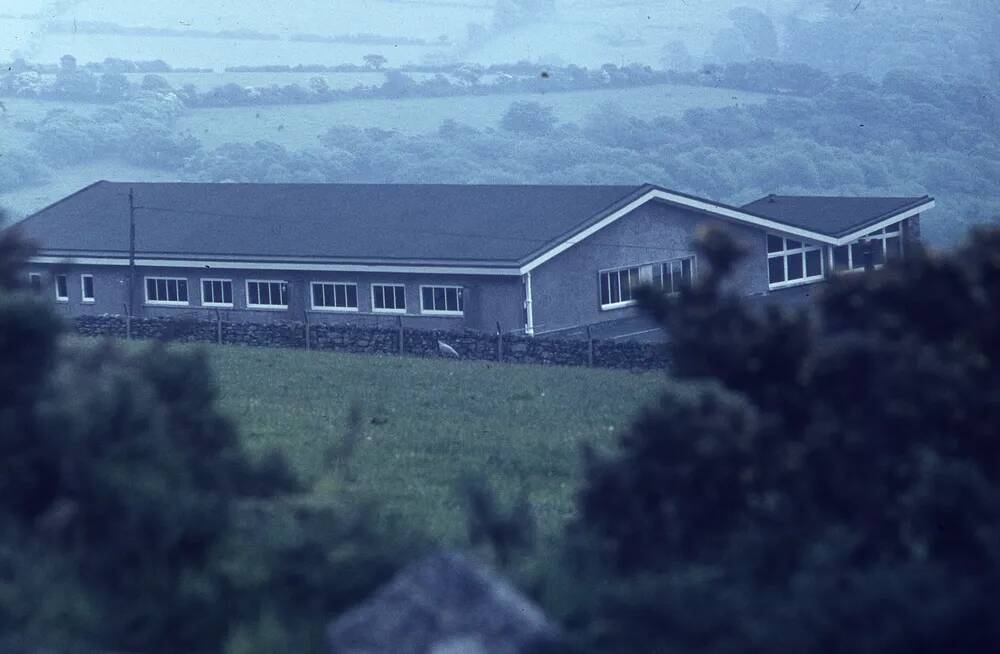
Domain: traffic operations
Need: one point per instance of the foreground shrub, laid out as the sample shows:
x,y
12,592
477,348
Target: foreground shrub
x,y
823,480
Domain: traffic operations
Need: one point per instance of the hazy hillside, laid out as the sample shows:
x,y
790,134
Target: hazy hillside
x,y
587,32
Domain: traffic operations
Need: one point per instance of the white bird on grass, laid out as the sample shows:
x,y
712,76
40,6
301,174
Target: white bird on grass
x,y
447,350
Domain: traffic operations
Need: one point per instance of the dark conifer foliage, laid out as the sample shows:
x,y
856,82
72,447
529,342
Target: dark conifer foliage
x,y
821,480
133,519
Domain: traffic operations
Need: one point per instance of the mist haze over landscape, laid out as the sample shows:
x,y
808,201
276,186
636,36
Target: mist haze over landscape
x,y
691,346
730,99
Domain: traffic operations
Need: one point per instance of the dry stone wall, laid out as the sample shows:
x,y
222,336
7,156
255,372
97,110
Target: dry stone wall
x,y
510,348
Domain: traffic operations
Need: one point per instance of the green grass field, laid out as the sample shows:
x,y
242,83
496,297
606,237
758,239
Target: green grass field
x,y
429,422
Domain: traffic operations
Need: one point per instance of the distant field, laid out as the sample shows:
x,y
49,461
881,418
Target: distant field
x,y
66,180
298,126
427,423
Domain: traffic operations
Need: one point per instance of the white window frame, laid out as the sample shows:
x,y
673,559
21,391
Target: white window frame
x,y
445,312
232,292
647,275
384,285
640,278
65,279
315,307
674,275
167,303
878,238
785,253
266,307
83,289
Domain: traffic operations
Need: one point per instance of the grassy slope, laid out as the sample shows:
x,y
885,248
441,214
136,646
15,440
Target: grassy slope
x,y
442,419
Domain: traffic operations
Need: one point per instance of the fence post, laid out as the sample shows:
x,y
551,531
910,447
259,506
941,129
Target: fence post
x,y
218,327
128,323
499,343
305,316
590,348
399,327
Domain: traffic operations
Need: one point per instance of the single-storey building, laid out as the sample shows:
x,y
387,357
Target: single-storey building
x,y
537,259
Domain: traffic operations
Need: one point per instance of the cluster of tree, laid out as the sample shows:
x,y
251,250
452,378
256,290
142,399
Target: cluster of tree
x,y
109,65
370,39
72,82
103,27
463,80
818,479
95,82
132,518
938,38
140,131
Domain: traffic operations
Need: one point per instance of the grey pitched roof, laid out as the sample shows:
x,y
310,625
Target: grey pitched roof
x,y
422,224
473,224
832,216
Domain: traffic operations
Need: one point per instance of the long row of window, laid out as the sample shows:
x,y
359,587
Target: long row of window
x,y
62,287
325,296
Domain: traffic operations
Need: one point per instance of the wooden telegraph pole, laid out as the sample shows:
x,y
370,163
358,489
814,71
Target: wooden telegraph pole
x,y
131,263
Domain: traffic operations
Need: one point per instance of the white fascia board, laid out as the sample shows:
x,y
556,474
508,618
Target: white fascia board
x,y
258,265
657,194
86,261
891,220
716,210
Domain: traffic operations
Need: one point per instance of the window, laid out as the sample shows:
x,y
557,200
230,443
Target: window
x,y
886,245
442,300
335,296
617,286
35,282
217,292
62,289
791,262
267,294
672,276
166,290
389,297
87,288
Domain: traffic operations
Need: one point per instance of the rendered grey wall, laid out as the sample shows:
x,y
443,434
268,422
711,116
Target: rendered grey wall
x,y
565,289
488,299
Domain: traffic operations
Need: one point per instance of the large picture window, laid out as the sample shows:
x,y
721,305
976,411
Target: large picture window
x,y
389,297
166,290
335,296
267,294
442,300
217,292
791,262
886,245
